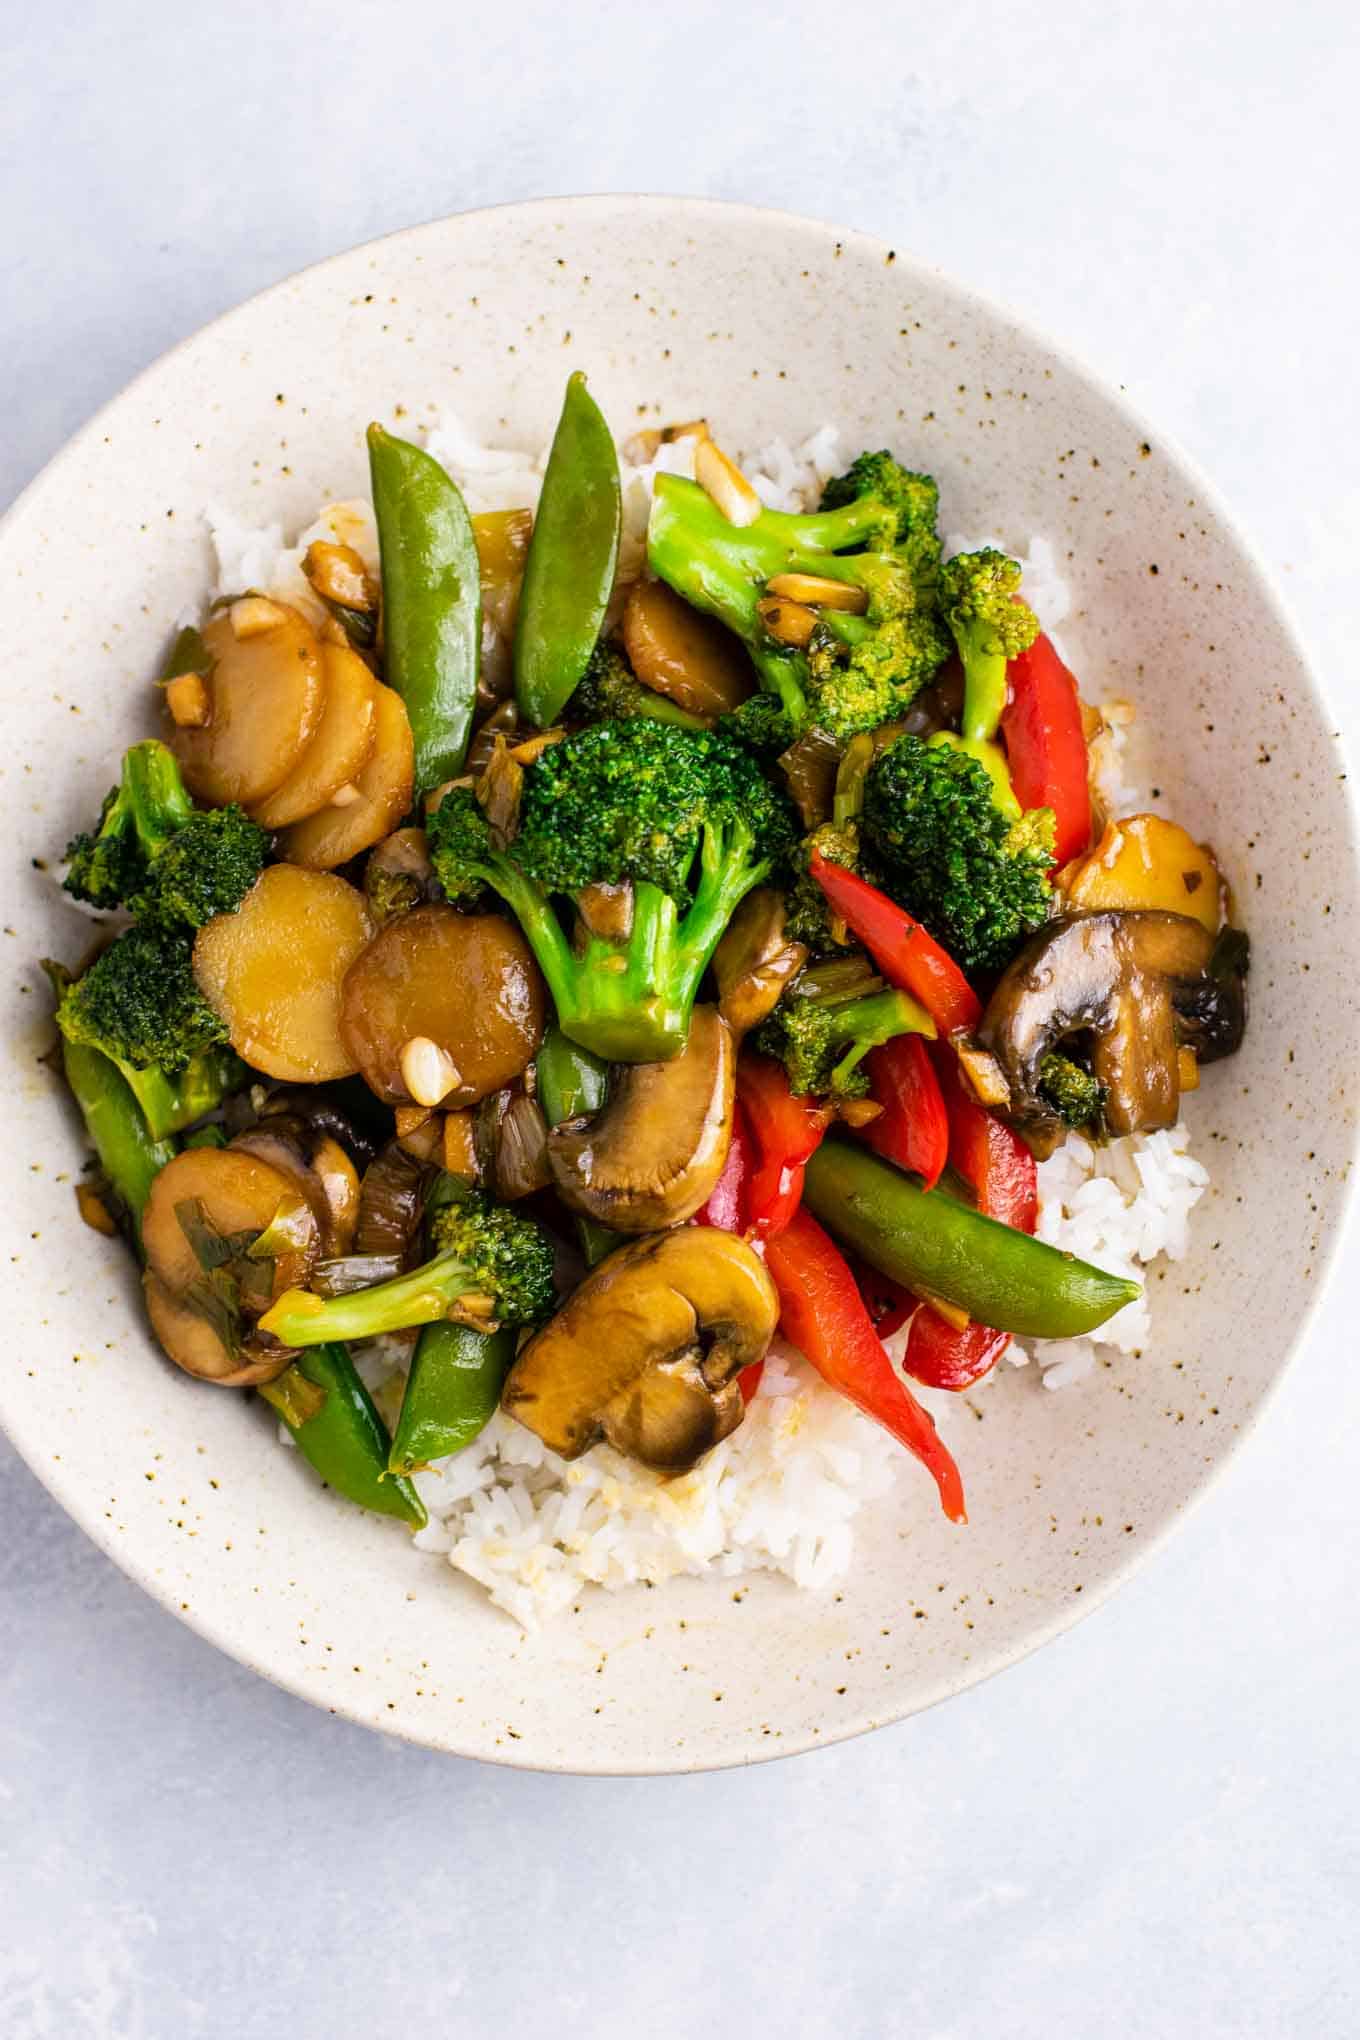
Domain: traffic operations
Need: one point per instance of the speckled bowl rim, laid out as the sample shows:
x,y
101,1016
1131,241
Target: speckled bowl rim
x,y
694,212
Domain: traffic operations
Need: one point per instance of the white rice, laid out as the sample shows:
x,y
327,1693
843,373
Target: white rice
x,y
782,1493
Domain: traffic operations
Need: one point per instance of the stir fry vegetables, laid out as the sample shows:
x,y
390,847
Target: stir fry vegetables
x,y
569,982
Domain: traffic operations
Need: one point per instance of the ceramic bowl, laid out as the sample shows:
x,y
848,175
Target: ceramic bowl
x,y
767,325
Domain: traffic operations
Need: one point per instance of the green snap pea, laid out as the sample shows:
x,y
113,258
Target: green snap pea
x,y
128,1155
571,1083
431,601
926,1239
569,574
339,1433
451,1392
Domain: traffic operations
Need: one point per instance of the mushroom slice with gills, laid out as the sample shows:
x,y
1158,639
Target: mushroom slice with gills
x,y
313,1160
442,1002
1140,987
375,799
648,1350
274,969
1146,862
189,1339
328,1113
339,750
755,961
266,690
678,652
668,1417
652,1154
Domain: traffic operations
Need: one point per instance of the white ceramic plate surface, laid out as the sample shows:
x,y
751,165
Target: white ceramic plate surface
x,y
765,324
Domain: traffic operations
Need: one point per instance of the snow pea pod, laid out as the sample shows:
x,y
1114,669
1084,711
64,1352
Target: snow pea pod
x,y
927,1240
431,601
569,574
451,1392
339,1433
128,1155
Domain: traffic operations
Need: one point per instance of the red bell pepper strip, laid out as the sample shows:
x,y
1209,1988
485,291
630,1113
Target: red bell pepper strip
x,y
822,1312
900,946
913,1127
787,1131
936,1354
992,1160
729,1203
1046,745
941,1357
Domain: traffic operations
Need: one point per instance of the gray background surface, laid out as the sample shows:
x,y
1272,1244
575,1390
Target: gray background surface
x,y
1150,1829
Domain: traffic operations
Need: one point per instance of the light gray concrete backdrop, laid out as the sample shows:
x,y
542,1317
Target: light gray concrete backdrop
x,y
1149,1830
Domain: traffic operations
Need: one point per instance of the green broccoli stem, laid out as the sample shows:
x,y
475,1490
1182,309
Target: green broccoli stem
x,y
129,1155
169,1103
870,1022
984,682
992,759
154,792
630,1000
423,1297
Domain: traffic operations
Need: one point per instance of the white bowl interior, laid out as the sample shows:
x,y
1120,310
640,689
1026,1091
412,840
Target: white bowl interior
x,y
767,325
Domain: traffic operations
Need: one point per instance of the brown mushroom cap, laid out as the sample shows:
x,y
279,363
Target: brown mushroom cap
x,y
1140,985
648,1349
651,1156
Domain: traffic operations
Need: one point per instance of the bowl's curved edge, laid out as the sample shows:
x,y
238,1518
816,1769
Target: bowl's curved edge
x,y
1342,1216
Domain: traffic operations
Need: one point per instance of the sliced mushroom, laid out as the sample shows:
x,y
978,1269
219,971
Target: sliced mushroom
x,y
189,1339
1140,986
225,1234
302,1149
648,1349
678,652
650,1157
755,960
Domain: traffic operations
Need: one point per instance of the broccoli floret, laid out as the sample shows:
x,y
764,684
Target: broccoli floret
x,y
490,1266
686,818
1074,1094
829,1019
876,533
761,725
946,852
206,868
980,596
610,691
137,820
139,1005
156,854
